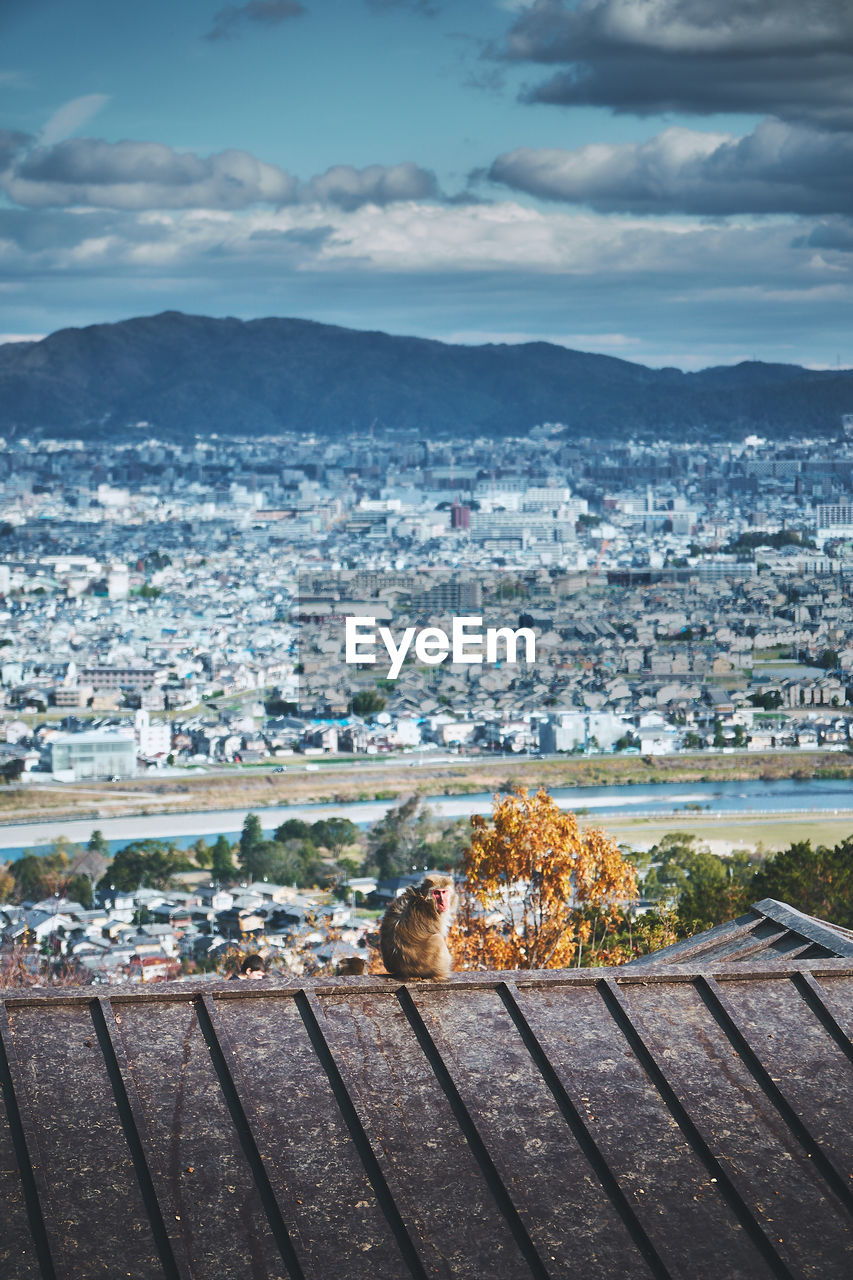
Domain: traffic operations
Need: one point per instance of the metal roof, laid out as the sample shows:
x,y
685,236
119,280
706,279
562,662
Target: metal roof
x,y
770,930
593,1123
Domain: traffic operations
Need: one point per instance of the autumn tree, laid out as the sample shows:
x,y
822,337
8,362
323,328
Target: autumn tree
x,y
538,892
7,884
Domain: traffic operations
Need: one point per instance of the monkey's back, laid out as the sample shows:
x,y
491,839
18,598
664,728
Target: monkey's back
x,y
411,938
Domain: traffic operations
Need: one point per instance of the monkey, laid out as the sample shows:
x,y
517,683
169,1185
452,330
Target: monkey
x,y
412,936
352,965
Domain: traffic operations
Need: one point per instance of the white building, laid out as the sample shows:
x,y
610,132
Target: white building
x,y
118,582
834,520
568,730
153,737
99,753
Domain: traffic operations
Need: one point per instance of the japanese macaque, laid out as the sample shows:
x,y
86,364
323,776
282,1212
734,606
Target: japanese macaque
x,y
413,934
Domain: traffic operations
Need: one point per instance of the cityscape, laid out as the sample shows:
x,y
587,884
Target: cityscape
x,y
426,640
684,601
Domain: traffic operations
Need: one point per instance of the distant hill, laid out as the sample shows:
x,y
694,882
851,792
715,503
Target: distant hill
x,y
192,374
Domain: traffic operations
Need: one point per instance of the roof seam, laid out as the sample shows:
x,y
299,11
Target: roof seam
x,y
472,1136
102,1013
723,1013
313,1018
516,1007
210,1028
648,1059
32,1178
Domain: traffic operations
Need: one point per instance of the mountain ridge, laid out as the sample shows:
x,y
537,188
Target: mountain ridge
x,y
188,375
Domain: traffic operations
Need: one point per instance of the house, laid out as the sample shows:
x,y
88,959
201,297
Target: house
x,y
153,968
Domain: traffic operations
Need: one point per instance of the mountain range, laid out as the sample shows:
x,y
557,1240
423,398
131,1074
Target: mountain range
x,y
183,375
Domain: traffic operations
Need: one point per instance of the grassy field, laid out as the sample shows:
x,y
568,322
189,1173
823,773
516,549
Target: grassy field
x,y
767,833
370,779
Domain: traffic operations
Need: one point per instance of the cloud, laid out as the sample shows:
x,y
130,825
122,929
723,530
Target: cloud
x,y
667,285
349,188
234,18
143,175
71,117
778,168
836,235
703,56
150,175
424,238
11,144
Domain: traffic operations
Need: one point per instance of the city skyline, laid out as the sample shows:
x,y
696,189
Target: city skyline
x,y
622,176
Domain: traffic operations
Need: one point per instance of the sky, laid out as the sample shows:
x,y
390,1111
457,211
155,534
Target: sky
x,y
668,181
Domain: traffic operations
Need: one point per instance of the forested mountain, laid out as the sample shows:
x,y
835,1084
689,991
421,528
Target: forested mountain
x,y
184,375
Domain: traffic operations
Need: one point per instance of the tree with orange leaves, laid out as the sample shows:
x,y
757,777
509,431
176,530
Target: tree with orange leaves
x,y
538,892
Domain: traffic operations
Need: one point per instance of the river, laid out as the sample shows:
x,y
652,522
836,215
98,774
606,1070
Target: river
x,y
782,796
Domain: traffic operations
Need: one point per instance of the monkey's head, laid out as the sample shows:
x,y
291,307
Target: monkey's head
x,y
440,889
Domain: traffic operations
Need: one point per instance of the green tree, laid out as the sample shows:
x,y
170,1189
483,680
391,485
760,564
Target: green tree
x,y
664,868
80,890
293,829
717,890
200,851
398,842
367,702
30,875
817,881
221,860
151,863
334,834
445,846
61,871
249,851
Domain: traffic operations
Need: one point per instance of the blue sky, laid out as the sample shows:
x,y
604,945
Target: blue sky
x,y
670,181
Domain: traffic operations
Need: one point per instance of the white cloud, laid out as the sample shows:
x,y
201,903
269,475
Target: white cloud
x,y
778,168
143,175
150,176
71,117
377,184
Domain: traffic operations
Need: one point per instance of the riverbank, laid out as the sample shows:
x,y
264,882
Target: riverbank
x,y
723,833
372,779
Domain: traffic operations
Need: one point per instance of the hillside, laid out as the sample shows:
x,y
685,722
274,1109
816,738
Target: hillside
x,y
192,374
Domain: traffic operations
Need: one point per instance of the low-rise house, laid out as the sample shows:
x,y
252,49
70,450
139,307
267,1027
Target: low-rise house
x,y
153,968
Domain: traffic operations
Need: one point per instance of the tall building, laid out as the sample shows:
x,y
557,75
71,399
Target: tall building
x,y
460,517
834,520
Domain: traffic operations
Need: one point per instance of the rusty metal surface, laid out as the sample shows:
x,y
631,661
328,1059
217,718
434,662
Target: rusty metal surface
x,y
769,930
685,1123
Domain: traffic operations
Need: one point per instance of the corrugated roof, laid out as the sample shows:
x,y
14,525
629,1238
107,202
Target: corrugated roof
x,y
769,930
592,1123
